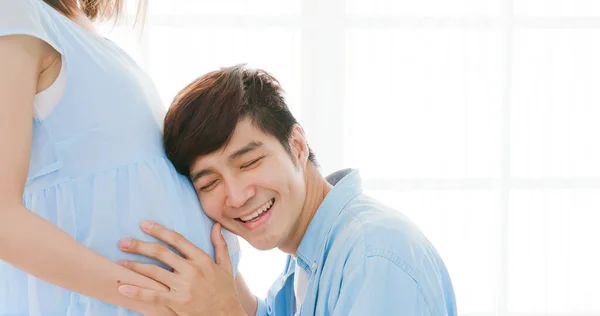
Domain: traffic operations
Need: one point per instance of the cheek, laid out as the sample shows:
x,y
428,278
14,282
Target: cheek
x,y
211,208
295,188
287,183
281,176
272,177
299,191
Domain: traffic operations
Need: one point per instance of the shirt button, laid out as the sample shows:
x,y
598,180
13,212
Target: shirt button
x,y
313,266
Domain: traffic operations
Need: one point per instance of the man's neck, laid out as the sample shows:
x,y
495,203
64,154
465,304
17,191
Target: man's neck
x,y
317,188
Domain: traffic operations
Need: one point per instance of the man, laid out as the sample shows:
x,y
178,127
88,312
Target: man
x,y
231,132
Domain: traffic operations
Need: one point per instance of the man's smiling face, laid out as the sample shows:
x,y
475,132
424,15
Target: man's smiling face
x,y
253,186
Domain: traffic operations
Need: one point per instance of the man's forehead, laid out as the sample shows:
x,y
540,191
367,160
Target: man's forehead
x,y
205,161
229,152
245,133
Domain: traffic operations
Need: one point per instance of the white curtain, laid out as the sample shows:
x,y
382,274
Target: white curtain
x,y
479,119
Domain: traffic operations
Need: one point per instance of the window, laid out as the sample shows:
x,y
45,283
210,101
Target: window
x,y
476,118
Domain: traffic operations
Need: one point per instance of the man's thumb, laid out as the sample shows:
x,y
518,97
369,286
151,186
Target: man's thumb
x,y
221,249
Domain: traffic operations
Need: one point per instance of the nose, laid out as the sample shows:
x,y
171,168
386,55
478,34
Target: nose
x,y
238,193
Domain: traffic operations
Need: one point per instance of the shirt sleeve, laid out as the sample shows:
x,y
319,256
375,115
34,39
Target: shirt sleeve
x,y
28,17
380,287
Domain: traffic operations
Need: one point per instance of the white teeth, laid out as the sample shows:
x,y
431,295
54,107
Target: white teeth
x,y
261,210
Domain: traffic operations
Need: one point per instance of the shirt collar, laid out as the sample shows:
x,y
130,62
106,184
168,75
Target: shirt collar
x,y
346,185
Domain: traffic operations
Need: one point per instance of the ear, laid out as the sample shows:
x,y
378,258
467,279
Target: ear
x,y
298,145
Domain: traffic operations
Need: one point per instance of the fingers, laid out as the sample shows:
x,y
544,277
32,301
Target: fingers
x,y
145,295
175,240
155,251
152,271
221,250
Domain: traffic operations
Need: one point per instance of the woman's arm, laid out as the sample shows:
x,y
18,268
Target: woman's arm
x,y
27,241
247,299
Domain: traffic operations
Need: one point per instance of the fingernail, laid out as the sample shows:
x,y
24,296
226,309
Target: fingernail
x,y
126,289
123,262
125,243
147,225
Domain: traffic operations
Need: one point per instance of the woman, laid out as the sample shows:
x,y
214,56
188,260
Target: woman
x,y
81,164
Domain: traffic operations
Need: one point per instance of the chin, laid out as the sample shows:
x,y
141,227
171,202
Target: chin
x,y
264,248
262,245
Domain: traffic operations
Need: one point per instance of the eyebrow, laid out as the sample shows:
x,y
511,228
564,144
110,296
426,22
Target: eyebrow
x,y
246,149
201,173
237,154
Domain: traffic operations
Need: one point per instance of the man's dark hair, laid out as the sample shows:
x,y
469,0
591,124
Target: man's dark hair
x,y
204,114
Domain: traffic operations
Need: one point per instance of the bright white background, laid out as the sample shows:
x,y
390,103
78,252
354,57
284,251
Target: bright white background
x,y
479,119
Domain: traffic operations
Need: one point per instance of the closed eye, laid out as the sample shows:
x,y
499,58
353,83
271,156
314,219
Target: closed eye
x,y
209,186
249,164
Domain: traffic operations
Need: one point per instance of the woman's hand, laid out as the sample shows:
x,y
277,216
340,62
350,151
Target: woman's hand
x,y
198,285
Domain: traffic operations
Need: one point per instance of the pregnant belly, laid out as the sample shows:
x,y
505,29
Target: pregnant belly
x,y
101,209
